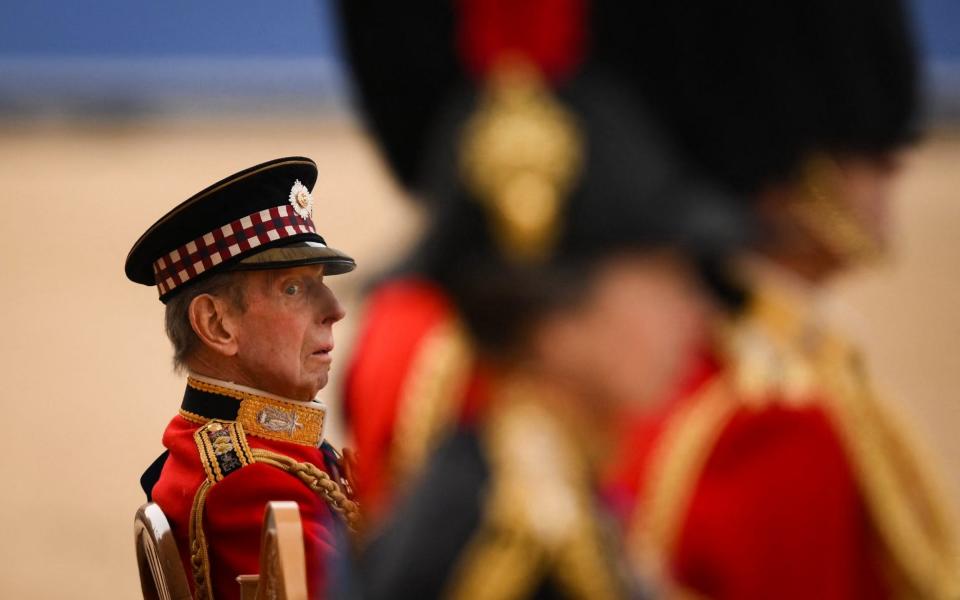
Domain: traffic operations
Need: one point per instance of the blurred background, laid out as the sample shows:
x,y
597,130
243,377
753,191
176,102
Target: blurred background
x,y
112,112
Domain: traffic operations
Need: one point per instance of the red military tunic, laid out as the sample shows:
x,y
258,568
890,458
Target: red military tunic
x,y
775,473
410,376
233,513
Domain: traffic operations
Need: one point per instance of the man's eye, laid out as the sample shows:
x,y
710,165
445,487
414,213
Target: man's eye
x,y
292,289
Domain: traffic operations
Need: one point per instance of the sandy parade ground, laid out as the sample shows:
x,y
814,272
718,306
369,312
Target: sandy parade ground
x,y
86,377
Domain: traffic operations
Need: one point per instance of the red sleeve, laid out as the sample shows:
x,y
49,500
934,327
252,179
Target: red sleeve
x,y
233,521
777,514
398,317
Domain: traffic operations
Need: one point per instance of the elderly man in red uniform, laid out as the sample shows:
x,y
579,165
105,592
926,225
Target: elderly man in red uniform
x,y
241,268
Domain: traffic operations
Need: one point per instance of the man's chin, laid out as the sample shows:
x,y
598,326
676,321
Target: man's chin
x,y
322,383
318,383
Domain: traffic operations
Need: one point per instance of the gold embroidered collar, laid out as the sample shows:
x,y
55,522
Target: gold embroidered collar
x,y
261,414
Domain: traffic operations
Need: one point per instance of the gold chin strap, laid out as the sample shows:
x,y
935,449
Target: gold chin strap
x,y
824,213
520,154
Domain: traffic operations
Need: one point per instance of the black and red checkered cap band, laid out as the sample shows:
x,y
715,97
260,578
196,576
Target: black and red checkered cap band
x,y
220,245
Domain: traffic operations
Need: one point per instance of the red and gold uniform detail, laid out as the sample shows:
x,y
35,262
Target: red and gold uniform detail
x,y
411,376
218,477
265,416
777,473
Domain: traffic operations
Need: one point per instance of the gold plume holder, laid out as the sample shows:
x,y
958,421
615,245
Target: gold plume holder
x,y
826,215
520,154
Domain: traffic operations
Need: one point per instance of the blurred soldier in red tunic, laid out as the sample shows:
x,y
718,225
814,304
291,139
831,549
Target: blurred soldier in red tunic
x,y
413,373
240,267
775,471
409,378
556,282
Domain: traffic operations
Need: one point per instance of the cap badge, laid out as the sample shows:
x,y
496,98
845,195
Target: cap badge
x,y
301,199
279,420
521,154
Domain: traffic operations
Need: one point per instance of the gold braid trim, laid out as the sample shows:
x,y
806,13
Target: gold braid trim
x,y
905,502
199,558
676,465
501,562
582,565
223,449
538,518
193,417
220,390
317,480
432,392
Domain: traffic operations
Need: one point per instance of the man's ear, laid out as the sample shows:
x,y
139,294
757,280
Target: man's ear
x,y
212,321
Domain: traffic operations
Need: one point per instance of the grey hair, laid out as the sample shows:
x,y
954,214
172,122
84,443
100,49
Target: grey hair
x,y
177,316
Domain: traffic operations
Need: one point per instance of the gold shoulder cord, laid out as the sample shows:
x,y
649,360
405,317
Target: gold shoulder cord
x,y
676,465
199,557
430,397
906,503
538,518
223,449
317,480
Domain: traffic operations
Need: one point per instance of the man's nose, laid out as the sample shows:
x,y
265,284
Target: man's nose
x,y
329,309
337,313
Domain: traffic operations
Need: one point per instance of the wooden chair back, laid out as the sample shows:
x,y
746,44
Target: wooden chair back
x,y
161,572
283,565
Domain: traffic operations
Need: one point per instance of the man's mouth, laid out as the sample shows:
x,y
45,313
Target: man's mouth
x,y
324,352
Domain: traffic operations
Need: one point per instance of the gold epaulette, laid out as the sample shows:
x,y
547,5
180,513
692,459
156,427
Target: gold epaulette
x,y
538,518
223,448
